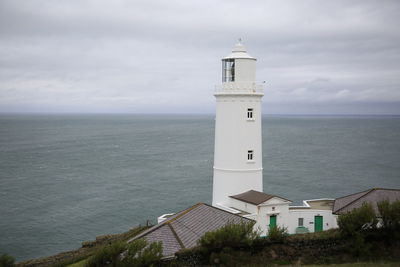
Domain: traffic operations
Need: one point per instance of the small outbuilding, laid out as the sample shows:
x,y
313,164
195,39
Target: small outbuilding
x,y
270,210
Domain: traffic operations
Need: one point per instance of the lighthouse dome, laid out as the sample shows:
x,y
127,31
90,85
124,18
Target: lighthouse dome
x,y
239,51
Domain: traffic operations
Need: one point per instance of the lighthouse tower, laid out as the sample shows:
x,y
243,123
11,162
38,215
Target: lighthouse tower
x,y
238,146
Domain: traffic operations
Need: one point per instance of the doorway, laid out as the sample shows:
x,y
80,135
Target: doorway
x,y
272,221
318,223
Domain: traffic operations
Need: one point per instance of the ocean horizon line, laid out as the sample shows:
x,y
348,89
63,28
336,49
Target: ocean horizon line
x,y
197,114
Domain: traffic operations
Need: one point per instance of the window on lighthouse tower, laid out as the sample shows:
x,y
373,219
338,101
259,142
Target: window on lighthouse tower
x,y
228,70
249,113
250,155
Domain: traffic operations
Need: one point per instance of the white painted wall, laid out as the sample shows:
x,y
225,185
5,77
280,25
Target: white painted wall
x,y
286,217
235,134
243,206
281,211
289,219
245,70
329,219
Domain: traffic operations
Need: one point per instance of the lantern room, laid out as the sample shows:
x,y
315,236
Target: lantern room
x,y
238,66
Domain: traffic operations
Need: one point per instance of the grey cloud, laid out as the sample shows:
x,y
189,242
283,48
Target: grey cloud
x,y
163,56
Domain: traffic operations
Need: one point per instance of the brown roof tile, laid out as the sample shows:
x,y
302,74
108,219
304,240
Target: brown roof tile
x,y
255,197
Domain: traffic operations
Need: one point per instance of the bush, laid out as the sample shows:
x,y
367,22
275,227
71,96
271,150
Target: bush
x,y
6,260
136,253
353,224
390,215
107,255
139,253
357,220
229,236
277,234
190,257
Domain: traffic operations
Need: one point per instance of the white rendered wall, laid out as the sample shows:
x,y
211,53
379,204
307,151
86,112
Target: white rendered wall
x,y
245,70
235,134
243,206
289,218
329,219
285,216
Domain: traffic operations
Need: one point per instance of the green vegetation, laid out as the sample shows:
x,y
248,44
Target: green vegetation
x,y
78,264
107,255
140,253
277,234
229,236
390,215
6,261
353,223
136,253
359,264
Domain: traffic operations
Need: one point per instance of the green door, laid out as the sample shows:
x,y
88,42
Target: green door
x,y
272,221
318,222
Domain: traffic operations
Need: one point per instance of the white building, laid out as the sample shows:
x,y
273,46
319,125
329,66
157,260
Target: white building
x,y
270,210
238,172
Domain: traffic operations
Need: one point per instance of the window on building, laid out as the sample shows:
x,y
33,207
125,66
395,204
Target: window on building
x,y
250,154
228,70
301,221
249,113
273,208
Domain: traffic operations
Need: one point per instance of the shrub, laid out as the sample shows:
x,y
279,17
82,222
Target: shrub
x,y
277,234
230,235
140,253
390,215
6,260
107,255
357,220
358,245
190,257
353,224
136,253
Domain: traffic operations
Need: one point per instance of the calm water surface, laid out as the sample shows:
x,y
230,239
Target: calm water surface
x,y
65,179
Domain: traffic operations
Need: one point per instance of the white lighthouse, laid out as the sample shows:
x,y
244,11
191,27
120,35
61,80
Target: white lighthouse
x,y
238,146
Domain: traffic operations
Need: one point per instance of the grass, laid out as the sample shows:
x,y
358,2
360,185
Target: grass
x,y
78,264
359,264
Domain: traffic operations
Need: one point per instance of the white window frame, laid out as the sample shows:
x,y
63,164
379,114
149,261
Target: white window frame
x,y
300,220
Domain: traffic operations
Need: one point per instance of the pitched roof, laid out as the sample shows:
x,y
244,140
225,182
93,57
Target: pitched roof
x,y
255,197
185,228
372,196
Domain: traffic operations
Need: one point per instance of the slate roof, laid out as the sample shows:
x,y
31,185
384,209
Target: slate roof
x,y
373,196
255,197
185,228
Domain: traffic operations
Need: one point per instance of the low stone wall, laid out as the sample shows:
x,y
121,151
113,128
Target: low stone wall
x,y
265,251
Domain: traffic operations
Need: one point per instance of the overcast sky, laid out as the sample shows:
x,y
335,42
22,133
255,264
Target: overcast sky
x,y
317,57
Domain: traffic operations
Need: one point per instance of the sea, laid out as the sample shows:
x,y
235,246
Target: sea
x,y
65,179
